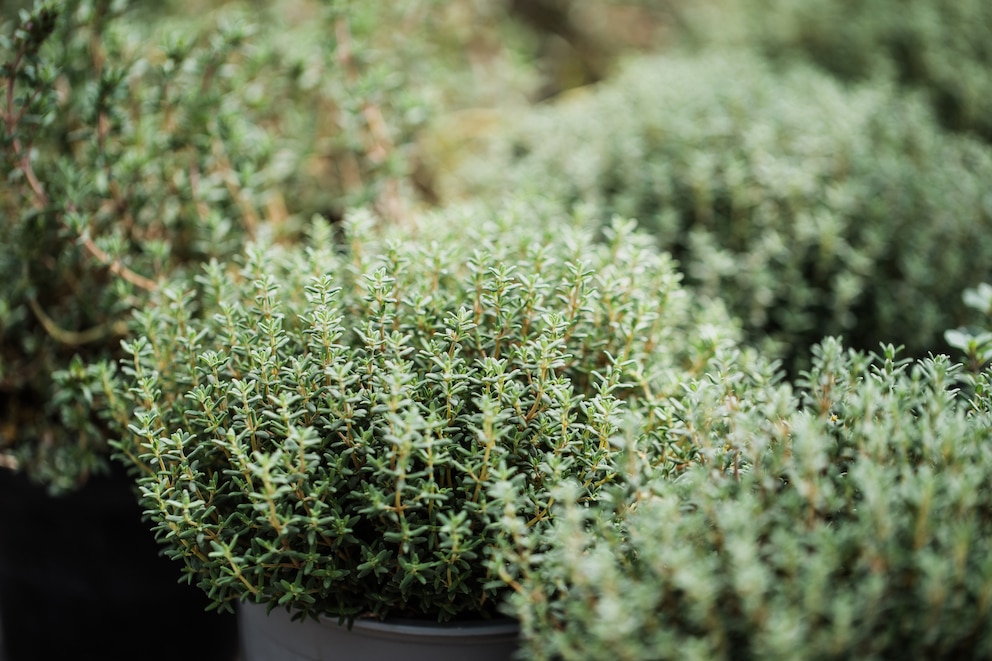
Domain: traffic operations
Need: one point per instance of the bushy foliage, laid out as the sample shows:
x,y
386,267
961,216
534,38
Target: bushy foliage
x,y
120,168
938,47
812,208
341,429
350,86
857,526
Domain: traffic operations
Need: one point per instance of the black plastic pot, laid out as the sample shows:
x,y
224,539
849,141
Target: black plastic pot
x,y
81,577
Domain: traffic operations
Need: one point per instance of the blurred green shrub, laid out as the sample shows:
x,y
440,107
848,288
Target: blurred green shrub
x,y
937,46
857,527
811,207
122,164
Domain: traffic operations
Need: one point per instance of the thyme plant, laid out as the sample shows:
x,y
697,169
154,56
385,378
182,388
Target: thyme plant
x,y
340,429
120,166
811,207
856,527
928,45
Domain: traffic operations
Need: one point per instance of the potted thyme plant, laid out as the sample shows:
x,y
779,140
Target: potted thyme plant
x,y
336,433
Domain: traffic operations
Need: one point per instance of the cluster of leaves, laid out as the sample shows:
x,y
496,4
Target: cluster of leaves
x,y
858,527
341,428
810,207
938,47
975,341
358,83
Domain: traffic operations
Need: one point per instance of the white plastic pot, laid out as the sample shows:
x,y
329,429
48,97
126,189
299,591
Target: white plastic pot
x,y
277,637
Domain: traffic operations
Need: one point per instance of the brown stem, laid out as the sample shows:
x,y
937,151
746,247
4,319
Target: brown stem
x,y
23,159
114,266
342,32
8,118
11,119
230,182
73,338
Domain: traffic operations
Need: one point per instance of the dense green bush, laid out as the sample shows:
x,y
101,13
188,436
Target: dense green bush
x,y
857,526
812,208
339,430
939,47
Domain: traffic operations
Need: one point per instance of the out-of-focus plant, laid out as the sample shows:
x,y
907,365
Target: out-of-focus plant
x,y
938,47
811,207
120,165
854,526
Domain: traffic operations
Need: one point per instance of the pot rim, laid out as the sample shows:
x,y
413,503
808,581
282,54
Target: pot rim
x,y
411,628
481,631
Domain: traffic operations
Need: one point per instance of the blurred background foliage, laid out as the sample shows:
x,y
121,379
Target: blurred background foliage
x,y
941,48
811,206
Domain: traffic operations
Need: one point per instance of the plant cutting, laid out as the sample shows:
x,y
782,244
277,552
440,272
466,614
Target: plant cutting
x,y
338,431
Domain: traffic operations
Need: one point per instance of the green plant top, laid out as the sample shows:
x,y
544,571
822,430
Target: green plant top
x,y
975,341
859,528
339,429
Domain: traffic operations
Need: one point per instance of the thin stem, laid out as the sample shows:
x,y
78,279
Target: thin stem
x,y
114,266
74,338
